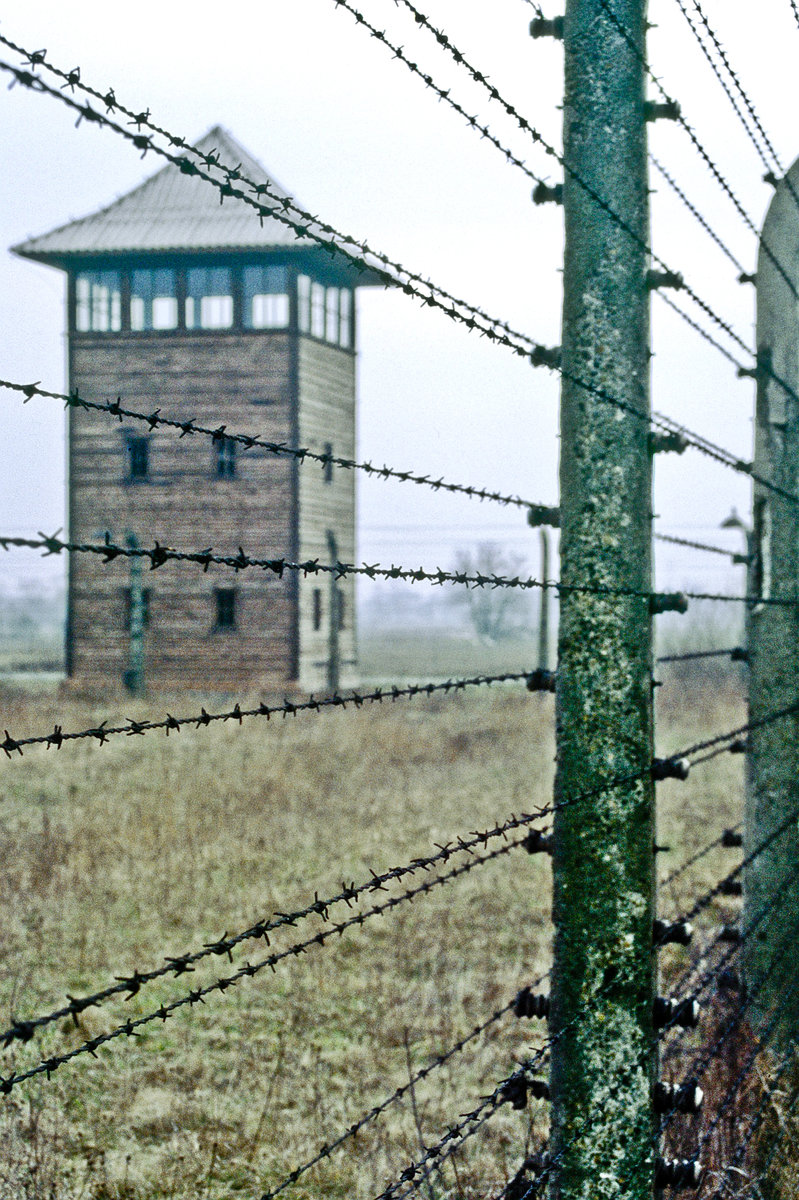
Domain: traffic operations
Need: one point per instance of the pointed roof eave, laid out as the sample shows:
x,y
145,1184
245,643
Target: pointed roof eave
x,y
174,212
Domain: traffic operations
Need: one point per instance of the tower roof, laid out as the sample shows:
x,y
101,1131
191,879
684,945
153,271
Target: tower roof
x,y
174,212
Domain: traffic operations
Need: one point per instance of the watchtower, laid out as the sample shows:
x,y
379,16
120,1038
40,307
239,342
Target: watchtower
x,y
179,303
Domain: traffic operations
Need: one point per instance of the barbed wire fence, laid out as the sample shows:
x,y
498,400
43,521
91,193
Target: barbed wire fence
x,y
655,1133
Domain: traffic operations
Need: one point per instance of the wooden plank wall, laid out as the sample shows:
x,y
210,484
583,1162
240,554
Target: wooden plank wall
x,y
244,382
326,387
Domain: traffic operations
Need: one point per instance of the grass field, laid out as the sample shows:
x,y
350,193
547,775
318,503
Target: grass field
x,y
113,857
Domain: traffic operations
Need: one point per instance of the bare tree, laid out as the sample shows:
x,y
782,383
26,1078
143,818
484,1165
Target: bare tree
x,y
493,612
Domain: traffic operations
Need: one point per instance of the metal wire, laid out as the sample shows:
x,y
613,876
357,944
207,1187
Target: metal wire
x,y
155,420
736,652
131,1027
696,214
131,984
289,708
678,541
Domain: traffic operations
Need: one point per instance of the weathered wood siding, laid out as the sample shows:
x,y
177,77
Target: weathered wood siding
x,y
242,381
326,389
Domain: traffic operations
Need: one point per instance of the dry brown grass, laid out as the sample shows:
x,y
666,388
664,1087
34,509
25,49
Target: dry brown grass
x,y
112,857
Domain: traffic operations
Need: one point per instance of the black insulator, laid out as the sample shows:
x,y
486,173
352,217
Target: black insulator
x,y
656,849
771,179
546,356
543,514
678,1173
669,111
731,887
541,680
683,1097
541,27
515,1093
670,768
667,443
739,654
731,933
537,842
677,932
740,746
531,1004
730,981
544,193
664,279
538,1089
746,277
732,837
663,602
684,1013
748,372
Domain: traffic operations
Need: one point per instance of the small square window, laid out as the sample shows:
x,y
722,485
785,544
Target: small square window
x,y
225,452
138,458
225,608
317,608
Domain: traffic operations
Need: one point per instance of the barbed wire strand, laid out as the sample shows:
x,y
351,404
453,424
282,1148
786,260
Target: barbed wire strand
x,y
679,541
130,985
336,243
155,420
158,555
696,214
445,43
131,1027
288,708
440,1060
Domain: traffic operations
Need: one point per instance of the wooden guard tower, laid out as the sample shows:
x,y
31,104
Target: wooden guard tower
x,y
178,303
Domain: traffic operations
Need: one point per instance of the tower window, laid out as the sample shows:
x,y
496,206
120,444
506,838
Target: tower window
x,y
265,297
331,315
345,318
317,310
304,303
138,458
317,608
328,467
225,608
209,298
225,454
98,302
153,299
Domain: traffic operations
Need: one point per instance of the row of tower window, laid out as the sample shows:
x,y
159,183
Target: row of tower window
x,y
225,602
224,461
209,298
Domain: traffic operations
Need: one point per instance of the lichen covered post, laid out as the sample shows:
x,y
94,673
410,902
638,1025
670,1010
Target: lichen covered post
x,y
603,1062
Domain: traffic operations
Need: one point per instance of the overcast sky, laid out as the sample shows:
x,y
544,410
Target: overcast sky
x,y
360,141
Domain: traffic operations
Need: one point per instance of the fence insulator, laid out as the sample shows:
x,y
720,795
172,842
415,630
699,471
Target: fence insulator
x,y
730,981
668,111
544,193
675,932
656,849
516,1091
684,1013
748,372
739,654
663,602
541,27
771,179
664,279
541,680
546,356
671,768
667,443
678,1173
731,933
731,887
543,514
732,837
741,560
745,277
537,842
740,746
682,1097
531,1004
